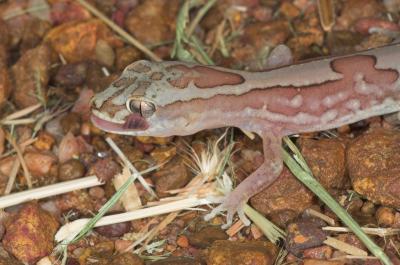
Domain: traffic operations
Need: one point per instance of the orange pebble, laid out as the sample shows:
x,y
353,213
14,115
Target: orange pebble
x,y
182,241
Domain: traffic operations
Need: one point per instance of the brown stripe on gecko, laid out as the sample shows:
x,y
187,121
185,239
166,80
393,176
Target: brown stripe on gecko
x,y
204,77
365,64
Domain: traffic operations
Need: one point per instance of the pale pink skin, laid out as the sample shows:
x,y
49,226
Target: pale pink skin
x,y
311,96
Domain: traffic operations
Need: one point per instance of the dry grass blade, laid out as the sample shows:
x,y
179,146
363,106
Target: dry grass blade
x,y
166,221
130,199
22,113
120,31
382,232
18,121
12,177
321,216
20,156
199,16
326,10
68,231
126,161
47,191
344,247
23,145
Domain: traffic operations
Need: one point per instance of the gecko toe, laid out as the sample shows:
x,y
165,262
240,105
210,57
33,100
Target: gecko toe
x,y
231,207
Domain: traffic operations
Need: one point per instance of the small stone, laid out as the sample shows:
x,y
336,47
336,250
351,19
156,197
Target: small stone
x,y
373,166
72,147
31,75
163,154
44,142
29,237
122,245
206,236
71,75
114,230
320,253
326,159
249,49
100,145
224,252
133,153
155,16
72,169
304,234
173,175
352,10
125,56
105,54
71,123
76,200
368,208
182,241
76,41
97,192
39,163
385,216
105,169
309,34
289,10
280,201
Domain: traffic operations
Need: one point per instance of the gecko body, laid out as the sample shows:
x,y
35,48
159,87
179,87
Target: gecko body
x,y
175,98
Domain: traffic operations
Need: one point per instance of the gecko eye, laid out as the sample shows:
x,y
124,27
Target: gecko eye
x,y
139,105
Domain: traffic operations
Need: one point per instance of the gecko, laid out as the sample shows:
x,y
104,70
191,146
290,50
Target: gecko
x,y
176,98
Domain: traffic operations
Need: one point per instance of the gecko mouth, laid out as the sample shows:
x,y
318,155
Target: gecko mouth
x,y
134,122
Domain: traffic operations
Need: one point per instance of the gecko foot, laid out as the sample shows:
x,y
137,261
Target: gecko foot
x,y
233,203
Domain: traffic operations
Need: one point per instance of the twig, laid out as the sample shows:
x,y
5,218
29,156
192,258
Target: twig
x,y
47,191
120,31
235,228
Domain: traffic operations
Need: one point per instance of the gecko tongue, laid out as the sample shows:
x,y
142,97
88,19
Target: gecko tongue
x,y
135,122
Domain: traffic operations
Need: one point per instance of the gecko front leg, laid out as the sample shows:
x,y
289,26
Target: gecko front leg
x,y
264,176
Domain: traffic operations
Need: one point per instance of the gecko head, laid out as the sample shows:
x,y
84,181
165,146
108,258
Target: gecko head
x,y
159,99
135,103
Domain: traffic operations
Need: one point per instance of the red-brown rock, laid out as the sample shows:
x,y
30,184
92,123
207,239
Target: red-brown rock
x,y
27,238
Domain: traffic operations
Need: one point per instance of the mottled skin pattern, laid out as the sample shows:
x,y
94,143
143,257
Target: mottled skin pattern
x,y
174,98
